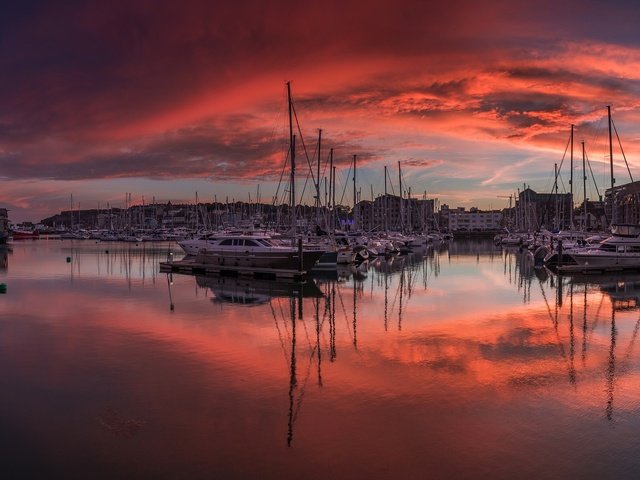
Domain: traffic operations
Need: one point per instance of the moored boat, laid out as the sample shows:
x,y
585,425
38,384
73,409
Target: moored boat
x,y
620,251
259,252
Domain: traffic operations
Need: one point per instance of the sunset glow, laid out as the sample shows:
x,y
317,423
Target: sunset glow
x,y
163,99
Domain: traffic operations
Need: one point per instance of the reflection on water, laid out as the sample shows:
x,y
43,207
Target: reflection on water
x,y
461,360
4,257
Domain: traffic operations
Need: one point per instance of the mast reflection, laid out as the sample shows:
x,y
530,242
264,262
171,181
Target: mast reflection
x,y
4,257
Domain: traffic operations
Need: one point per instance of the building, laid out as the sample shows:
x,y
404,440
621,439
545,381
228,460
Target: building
x,y
534,211
622,204
474,220
390,212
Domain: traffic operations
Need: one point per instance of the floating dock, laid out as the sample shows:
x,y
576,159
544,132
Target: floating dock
x,y
190,266
595,270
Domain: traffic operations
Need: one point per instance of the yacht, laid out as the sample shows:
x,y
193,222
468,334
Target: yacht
x,y
251,251
620,250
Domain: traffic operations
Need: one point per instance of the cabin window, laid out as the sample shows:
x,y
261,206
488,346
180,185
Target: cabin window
x,y
226,242
620,248
250,243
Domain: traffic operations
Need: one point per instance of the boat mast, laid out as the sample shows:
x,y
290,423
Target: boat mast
x,y
409,207
401,205
355,197
571,182
555,168
584,186
332,199
318,179
386,203
292,153
613,180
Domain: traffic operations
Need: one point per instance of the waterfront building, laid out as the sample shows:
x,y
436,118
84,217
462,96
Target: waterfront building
x,y
622,203
535,210
474,220
393,213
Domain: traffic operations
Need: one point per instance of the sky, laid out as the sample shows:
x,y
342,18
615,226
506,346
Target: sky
x,y
167,100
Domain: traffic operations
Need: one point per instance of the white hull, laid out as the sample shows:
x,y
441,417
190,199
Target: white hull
x,y
596,259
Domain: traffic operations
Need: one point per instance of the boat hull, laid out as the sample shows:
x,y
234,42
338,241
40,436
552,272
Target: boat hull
x,y
606,260
275,260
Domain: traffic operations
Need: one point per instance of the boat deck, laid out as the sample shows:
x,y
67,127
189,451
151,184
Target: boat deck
x,y
191,266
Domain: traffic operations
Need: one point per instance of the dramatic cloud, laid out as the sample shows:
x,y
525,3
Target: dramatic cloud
x,y
195,92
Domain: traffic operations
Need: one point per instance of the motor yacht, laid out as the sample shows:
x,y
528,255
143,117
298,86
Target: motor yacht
x,y
252,251
620,250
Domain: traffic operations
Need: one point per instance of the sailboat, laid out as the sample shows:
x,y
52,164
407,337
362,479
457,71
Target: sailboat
x,y
247,250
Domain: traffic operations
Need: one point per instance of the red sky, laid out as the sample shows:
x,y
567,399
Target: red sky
x,y
163,98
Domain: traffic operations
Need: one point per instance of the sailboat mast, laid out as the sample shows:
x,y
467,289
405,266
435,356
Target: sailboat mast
x,y
401,205
409,207
613,180
555,168
318,179
584,186
571,182
355,196
386,203
292,154
332,197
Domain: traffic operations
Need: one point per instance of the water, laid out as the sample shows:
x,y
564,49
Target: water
x,y
460,362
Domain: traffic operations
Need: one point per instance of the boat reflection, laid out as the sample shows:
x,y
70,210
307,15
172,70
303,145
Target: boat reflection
x,y
570,333
251,291
594,299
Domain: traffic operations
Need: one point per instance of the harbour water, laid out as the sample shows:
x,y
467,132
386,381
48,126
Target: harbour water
x,y
462,361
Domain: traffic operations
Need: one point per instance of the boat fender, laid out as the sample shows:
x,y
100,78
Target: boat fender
x,y
68,259
3,288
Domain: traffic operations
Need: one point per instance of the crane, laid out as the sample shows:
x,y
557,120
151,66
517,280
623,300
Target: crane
x,y
510,197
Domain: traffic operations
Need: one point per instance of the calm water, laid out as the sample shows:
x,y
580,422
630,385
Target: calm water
x,y
463,362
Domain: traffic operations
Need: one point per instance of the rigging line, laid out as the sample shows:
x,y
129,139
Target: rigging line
x,y
622,150
390,182
346,319
556,175
592,176
629,350
393,304
306,331
284,348
279,114
285,323
555,326
304,146
345,184
596,320
303,386
284,167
